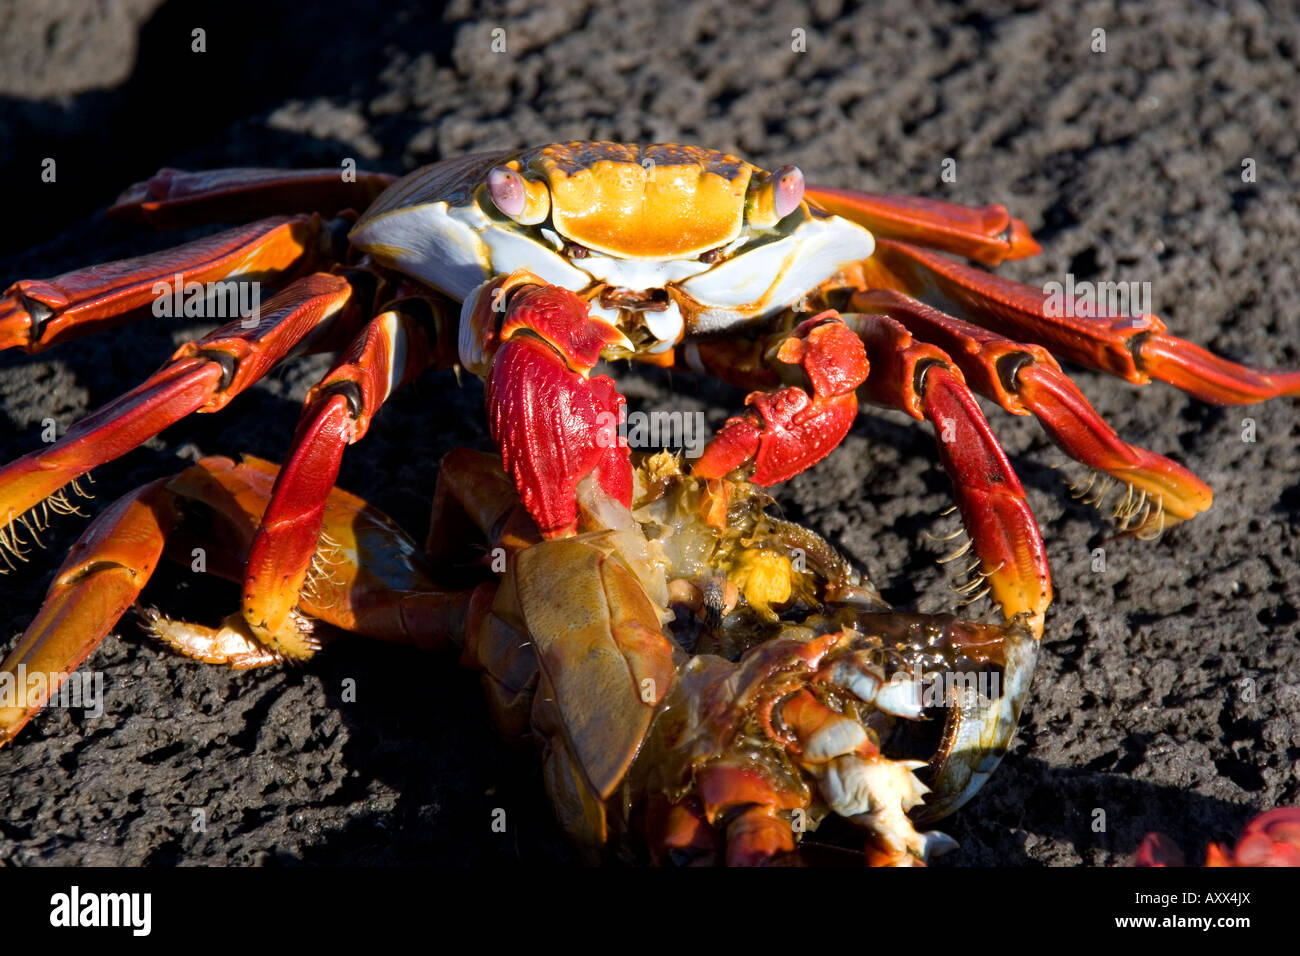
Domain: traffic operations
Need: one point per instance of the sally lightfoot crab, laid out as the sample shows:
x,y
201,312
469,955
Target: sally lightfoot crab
x,y
527,268
565,254
707,682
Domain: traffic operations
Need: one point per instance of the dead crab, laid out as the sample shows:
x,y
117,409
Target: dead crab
x,y
782,690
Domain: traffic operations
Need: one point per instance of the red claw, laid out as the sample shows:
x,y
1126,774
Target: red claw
x,y
554,424
789,430
1271,839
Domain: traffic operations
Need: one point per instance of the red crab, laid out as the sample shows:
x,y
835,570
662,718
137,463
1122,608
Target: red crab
x,y
564,254
528,267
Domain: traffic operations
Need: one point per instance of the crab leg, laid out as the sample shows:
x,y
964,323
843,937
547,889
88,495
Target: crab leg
x,y
987,234
101,578
38,313
1024,379
367,575
1134,348
202,376
789,430
174,197
919,379
392,350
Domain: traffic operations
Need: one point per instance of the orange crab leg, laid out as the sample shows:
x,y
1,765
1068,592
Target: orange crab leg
x,y
392,350
1134,348
1024,379
174,197
919,379
101,578
38,313
987,234
372,579
202,376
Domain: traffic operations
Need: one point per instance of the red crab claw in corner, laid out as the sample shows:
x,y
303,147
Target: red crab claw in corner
x,y
553,422
1271,839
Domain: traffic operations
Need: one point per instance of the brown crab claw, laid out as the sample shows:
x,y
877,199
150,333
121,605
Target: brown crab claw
x,y
979,729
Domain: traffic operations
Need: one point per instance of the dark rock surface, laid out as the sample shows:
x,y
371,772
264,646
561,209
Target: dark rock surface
x,y
1127,165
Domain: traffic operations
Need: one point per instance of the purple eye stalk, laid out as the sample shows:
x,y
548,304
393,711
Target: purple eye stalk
x,y
775,197
527,203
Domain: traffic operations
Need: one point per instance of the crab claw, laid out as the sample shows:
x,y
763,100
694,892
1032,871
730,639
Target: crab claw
x,y
1271,839
554,424
789,430
978,731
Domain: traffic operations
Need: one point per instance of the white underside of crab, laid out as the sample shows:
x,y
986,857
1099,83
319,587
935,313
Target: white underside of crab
x,y
457,248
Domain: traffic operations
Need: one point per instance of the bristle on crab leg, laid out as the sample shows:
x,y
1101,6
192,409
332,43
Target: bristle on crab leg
x,y
919,379
377,585
1025,379
102,576
392,349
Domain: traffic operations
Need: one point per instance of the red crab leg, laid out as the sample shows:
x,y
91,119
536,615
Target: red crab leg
x,y
919,379
554,423
987,234
1024,379
38,313
789,430
1134,348
202,376
392,350
371,578
101,578
174,197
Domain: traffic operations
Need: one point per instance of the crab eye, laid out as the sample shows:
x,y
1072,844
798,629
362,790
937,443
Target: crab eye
x,y
788,186
506,187
525,202
775,197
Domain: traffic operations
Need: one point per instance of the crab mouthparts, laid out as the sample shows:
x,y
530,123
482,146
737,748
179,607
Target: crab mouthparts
x,y
635,300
